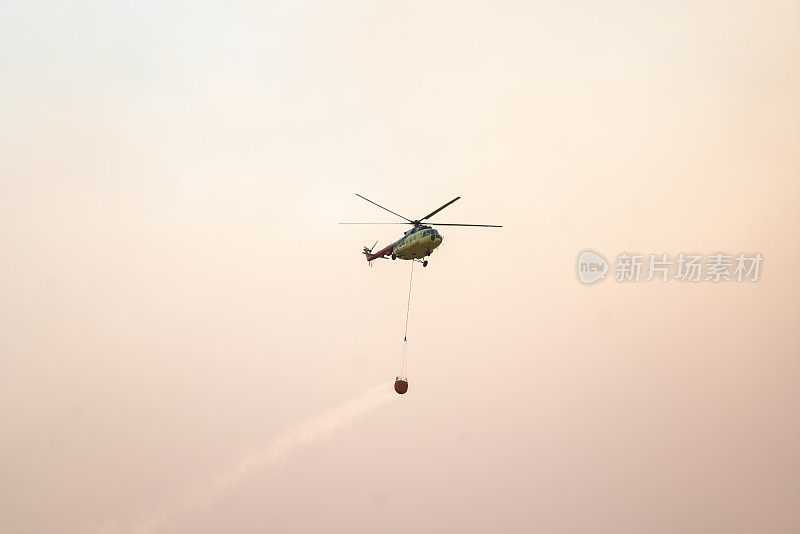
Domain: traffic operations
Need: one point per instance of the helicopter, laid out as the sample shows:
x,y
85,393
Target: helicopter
x,y
418,242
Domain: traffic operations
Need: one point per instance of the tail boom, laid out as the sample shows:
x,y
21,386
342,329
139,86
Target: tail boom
x,y
383,253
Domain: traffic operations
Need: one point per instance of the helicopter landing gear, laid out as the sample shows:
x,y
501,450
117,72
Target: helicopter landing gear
x,y
394,257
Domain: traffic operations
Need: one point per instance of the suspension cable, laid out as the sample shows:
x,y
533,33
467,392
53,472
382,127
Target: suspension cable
x,y
408,305
404,351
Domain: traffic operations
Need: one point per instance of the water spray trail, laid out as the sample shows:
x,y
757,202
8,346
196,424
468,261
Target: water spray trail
x,y
304,433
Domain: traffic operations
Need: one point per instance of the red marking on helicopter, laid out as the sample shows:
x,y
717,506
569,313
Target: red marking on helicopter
x,y
383,253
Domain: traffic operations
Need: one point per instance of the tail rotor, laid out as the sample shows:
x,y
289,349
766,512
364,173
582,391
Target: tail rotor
x,y
368,251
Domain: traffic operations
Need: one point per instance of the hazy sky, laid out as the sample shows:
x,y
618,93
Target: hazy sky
x,y
190,343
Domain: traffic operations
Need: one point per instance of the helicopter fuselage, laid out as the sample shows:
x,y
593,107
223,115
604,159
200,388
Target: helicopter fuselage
x,y
416,243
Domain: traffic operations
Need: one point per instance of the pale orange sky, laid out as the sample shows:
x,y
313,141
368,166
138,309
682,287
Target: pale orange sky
x,y
178,300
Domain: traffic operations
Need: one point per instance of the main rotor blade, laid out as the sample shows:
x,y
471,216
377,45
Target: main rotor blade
x,y
374,223
381,207
454,224
431,214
